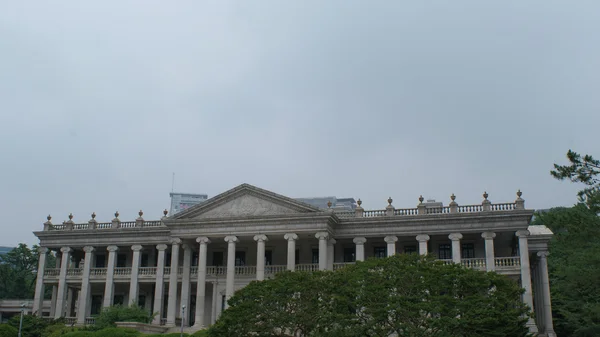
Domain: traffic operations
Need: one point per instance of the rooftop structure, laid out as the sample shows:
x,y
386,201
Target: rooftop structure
x,y
209,250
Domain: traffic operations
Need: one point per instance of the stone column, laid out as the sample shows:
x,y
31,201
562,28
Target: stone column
x,y
423,238
84,294
391,245
62,282
110,275
159,284
38,299
69,303
543,269
490,259
322,236
360,248
229,283
291,253
330,253
134,289
260,256
201,287
455,237
526,274
172,304
185,281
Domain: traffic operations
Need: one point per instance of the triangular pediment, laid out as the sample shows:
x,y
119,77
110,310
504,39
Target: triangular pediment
x,y
246,201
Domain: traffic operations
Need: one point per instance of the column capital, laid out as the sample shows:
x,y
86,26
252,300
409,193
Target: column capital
x,y
66,250
185,246
390,239
231,239
43,250
543,254
112,248
161,247
488,235
522,233
136,248
332,241
422,237
322,235
88,249
175,241
260,238
455,236
360,240
291,236
203,240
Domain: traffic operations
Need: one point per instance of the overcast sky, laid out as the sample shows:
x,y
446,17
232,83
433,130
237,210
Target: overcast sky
x,y
101,101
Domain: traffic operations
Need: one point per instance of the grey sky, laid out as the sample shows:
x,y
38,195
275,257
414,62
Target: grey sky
x,y
100,101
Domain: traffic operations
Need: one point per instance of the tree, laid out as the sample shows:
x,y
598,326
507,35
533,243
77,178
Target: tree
x,y
18,269
409,295
574,268
584,170
119,313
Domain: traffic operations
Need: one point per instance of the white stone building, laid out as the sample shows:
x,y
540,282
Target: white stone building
x,y
199,257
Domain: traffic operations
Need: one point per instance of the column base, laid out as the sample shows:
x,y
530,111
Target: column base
x,y
532,326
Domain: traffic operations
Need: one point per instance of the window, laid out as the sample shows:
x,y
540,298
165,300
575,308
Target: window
x,y
168,259
315,256
268,257
410,249
217,259
121,260
240,258
297,257
144,260
349,254
379,252
118,300
445,252
468,251
100,261
142,301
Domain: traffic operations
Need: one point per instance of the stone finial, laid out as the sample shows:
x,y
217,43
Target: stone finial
x,y
359,202
140,213
519,203
485,195
359,211
389,209
48,224
116,214
453,205
329,204
519,193
421,199
94,215
390,201
70,216
92,222
116,223
139,222
487,205
452,197
49,217
165,212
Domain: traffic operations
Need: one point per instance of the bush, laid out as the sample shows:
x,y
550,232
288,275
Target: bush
x,y
200,333
116,332
80,333
118,313
8,331
33,326
57,330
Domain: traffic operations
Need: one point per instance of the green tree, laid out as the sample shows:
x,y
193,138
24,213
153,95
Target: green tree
x,y
409,295
582,169
574,268
18,269
118,313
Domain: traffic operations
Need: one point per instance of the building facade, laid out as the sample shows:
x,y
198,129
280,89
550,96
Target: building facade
x,y
200,256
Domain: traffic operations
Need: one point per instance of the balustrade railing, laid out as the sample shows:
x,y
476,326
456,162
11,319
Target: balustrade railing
x,y
406,211
507,262
307,267
58,227
374,213
152,224
90,321
163,321
147,271
167,271
50,272
103,225
70,320
98,272
127,224
245,270
216,270
122,271
504,207
470,208
193,270
274,269
446,261
474,263
437,210
74,271
78,226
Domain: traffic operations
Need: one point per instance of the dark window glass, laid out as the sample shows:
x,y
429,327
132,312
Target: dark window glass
x,y
100,261
144,260
217,259
315,256
119,299
268,257
380,252
168,259
468,251
121,260
410,249
445,252
240,258
141,301
297,257
350,254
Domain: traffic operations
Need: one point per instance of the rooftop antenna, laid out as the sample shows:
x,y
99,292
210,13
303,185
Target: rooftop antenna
x,y
173,183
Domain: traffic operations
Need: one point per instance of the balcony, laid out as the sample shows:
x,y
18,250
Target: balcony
x,y
506,265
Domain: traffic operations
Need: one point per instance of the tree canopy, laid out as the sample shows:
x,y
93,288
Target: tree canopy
x,y
407,294
18,269
582,169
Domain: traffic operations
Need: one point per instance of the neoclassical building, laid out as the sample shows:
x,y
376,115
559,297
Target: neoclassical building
x,y
199,257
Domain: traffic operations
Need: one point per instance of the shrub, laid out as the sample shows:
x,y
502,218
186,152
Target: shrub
x,y
8,331
118,313
200,333
116,332
80,333
57,330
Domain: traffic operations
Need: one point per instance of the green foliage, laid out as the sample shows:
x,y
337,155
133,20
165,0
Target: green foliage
x,y
79,333
33,326
116,332
574,267
200,333
8,331
584,170
409,295
118,313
